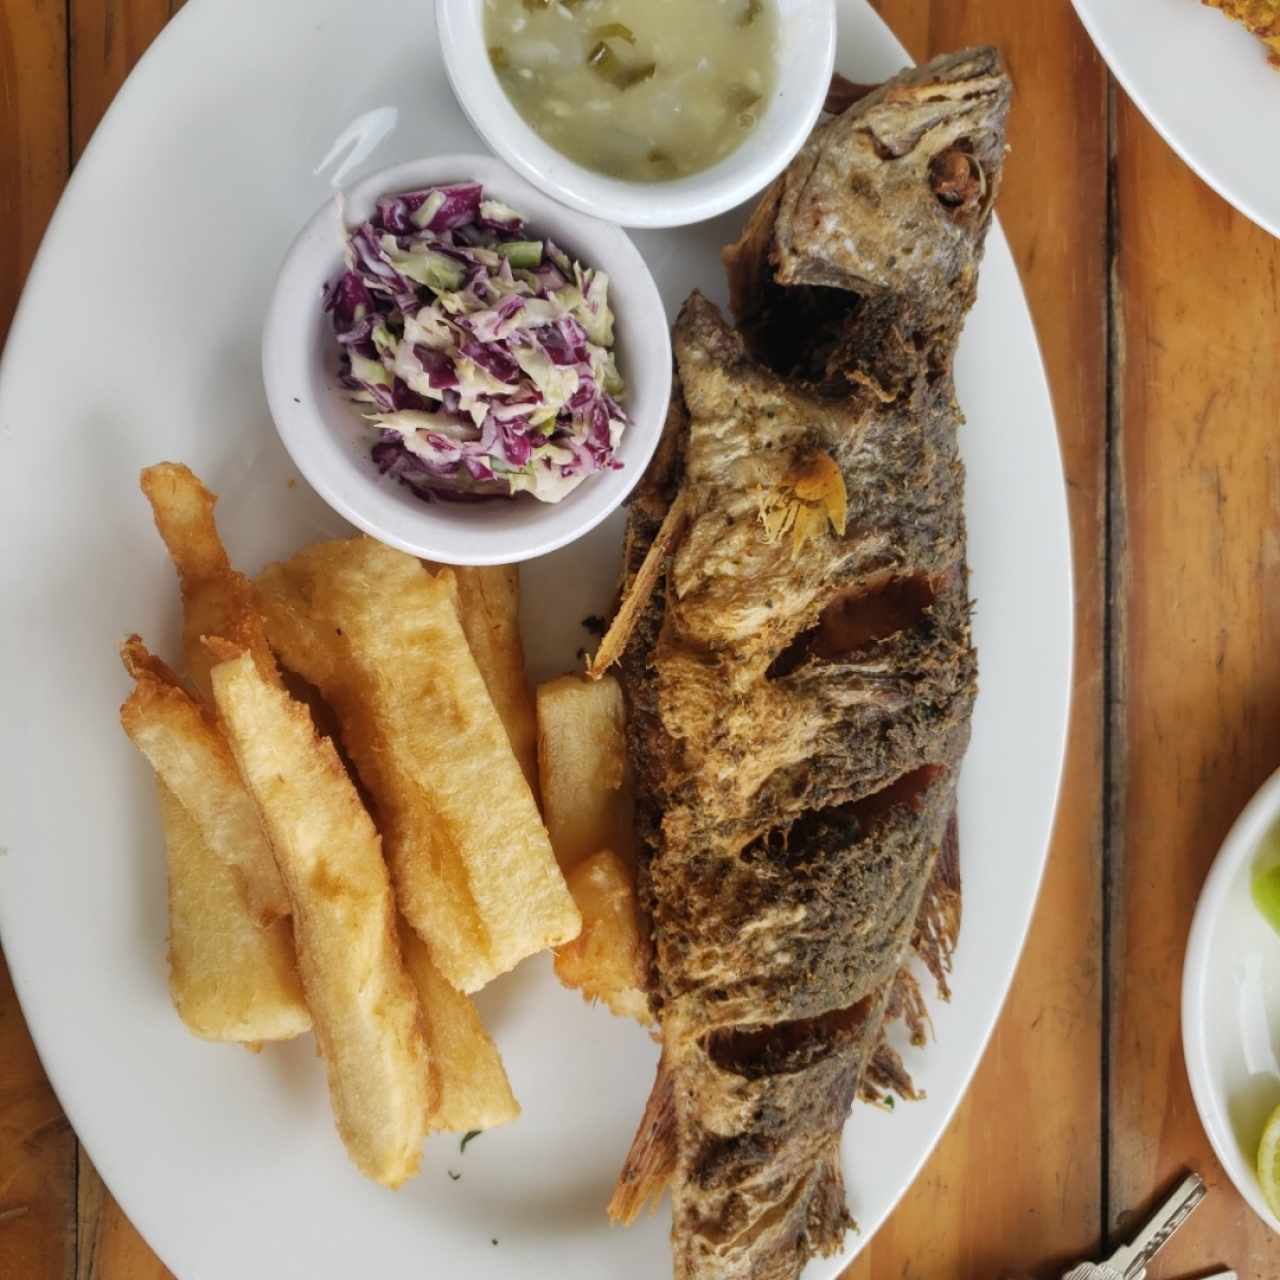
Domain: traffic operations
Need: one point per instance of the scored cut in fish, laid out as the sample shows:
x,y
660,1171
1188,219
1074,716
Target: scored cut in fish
x,y
798,665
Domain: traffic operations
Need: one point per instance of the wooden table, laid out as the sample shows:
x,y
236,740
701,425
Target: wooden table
x,y
1158,310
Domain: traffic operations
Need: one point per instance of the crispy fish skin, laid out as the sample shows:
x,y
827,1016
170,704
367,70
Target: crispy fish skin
x,y
798,705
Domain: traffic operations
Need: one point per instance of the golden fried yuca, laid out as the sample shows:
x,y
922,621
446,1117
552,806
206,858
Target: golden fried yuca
x,y
606,960
471,1086
216,600
230,979
368,1022
431,884
380,637
489,609
190,756
586,799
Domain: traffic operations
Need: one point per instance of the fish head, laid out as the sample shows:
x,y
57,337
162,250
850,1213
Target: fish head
x,y
894,196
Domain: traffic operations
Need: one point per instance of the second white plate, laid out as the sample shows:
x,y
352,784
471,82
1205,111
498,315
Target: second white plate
x,y
1205,84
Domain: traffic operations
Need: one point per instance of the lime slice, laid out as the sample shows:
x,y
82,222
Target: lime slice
x,y
1269,1161
1266,896
1266,879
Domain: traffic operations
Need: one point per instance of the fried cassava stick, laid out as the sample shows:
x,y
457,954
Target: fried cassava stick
x,y
368,1021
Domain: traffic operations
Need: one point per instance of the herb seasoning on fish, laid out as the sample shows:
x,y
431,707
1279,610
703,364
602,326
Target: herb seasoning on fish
x,y
639,89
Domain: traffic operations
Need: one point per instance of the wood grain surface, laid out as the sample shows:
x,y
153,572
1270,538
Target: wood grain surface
x,y
1166,385
1195,638
37,1147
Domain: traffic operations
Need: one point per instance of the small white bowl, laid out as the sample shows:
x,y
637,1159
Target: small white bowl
x,y
1231,1002
329,441
806,56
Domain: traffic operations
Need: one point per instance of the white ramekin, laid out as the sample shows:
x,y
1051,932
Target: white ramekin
x,y
329,441
806,55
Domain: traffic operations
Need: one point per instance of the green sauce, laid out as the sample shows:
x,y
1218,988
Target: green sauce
x,y
647,90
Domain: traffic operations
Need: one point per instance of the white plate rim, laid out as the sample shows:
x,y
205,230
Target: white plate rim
x,y
1094,17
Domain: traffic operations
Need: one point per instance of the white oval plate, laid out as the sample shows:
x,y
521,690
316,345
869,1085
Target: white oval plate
x,y
1206,86
1231,1003
137,340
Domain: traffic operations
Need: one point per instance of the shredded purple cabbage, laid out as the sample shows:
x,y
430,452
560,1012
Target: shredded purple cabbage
x,y
485,356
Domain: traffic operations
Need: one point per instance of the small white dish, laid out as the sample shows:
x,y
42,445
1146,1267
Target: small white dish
x,y
1231,1002
806,56
329,441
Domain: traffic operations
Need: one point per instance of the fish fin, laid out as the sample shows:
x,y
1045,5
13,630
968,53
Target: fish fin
x,y
651,1162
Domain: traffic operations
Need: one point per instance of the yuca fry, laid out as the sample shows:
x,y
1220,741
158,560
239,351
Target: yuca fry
x,y
489,609
606,960
216,600
472,1090
230,978
379,636
431,886
191,757
582,753
368,1022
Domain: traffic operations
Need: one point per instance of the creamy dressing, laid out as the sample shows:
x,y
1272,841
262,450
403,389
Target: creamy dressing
x,y
640,89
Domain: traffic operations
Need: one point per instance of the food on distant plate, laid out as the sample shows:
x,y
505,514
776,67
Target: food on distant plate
x,y
800,680
485,355
1262,17
190,756
230,978
368,1021
216,600
379,636
582,762
470,1086
489,609
606,960
638,89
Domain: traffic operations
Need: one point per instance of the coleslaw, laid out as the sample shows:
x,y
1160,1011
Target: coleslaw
x,y
485,356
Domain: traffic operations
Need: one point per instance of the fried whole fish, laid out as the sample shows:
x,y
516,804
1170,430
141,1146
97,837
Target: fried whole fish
x,y
800,679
